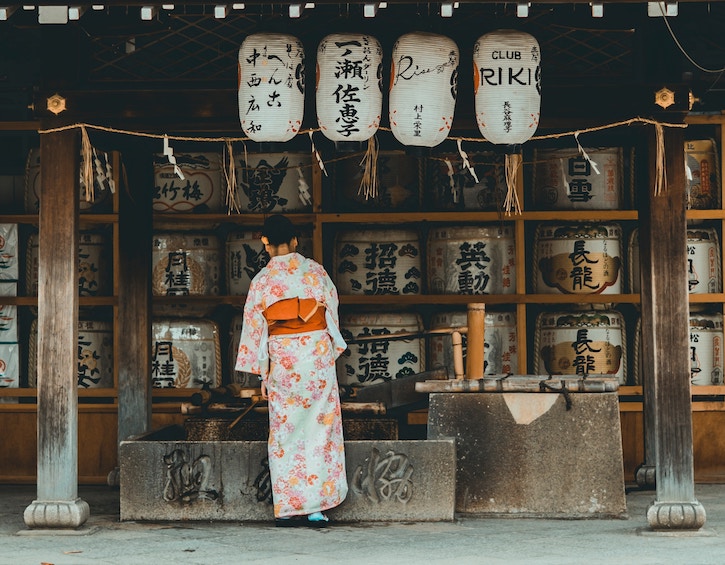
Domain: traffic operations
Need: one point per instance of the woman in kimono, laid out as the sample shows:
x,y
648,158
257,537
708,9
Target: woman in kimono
x,y
291,338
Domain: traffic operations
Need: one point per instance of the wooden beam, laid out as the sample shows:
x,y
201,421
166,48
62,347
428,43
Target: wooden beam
x,y
58,505
665,326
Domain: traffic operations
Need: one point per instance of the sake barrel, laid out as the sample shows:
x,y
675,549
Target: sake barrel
x,y
704,267
274,182
564,179
95,260
455,188
397,178
581,343
185,263
374,362
245,257
103,183
95,354
9,365
472,260
9,256
243,378
578,259
377,262
706,349
8,323
500,346
185,353
702,169
201,190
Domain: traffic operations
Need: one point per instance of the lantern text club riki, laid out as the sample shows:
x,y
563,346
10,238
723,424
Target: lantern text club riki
x,y
507,86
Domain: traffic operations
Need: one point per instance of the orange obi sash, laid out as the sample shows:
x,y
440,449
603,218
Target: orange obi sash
x,y
295,315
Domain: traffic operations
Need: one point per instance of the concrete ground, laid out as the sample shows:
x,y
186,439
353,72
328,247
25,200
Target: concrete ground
x,y
104,540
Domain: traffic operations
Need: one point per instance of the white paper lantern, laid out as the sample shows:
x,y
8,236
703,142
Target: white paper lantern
x,y
349,96
271,86
423,88
507,86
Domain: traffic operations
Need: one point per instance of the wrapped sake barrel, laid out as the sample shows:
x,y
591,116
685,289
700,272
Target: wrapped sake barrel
x,y
578,259
274,182
185,353
398,182
101,197
377,261
9,256
374,361
706,349
9,365
201,190
704,266
243,378
8,323
186,264
563,179
455,188
702,169
500,351
472,260
582,343
245,257
95,260
95,354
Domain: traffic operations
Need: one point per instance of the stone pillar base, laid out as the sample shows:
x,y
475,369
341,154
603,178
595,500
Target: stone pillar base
x,y
676,515
56,513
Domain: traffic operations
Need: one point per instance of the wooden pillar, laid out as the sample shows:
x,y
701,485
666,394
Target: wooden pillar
x,y
134,299
665,339
57,504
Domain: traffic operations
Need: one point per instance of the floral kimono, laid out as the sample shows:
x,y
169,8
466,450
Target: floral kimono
x,y
296,360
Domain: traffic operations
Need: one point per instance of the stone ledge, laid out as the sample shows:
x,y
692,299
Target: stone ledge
x,y
228,480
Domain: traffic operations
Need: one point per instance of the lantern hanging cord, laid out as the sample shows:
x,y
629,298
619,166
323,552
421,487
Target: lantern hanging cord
x,y
682,49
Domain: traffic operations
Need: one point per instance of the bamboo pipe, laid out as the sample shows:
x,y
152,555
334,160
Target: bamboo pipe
x,y
474,350
457,342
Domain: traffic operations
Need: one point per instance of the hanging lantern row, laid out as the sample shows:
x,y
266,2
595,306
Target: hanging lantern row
x,y
423,87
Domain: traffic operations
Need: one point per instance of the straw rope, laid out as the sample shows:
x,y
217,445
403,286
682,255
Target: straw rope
x,y
512,199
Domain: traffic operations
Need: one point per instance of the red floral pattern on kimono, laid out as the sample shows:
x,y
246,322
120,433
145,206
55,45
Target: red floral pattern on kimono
x,y
305,446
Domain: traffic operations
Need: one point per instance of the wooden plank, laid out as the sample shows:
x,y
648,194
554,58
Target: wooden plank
x,y
58,317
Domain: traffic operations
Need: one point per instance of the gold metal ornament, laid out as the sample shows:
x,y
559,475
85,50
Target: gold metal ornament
x,y
56,104
664,97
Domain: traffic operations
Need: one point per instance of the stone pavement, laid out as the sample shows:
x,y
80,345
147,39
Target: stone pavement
x,y
104,540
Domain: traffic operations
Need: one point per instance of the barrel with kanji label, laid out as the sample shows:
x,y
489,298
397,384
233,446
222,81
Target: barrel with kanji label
x,y
472,260
567,179
246,255
95,260
380,360
705,349
578,259
95,354
704,267
389,182
702,171
379,261
185,264
185,353
454,186
581,343
202,188
500,347
274,182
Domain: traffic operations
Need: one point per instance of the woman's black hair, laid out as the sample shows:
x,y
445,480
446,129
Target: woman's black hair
x,y
278,230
